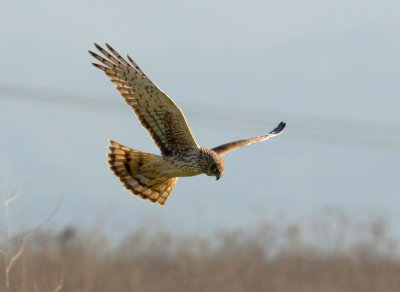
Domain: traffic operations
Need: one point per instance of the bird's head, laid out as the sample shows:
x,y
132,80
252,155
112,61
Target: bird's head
x,y
215,165
217,169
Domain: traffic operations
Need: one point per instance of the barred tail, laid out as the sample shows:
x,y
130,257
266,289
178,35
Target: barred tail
x,y
140,173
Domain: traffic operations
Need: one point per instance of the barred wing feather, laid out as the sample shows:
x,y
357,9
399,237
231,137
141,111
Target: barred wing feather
x,y
162,118
225,148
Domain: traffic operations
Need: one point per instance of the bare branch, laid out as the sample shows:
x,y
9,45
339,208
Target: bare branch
x,y
8,201
60,284
26,233
5,210
10,264
16,194
17,255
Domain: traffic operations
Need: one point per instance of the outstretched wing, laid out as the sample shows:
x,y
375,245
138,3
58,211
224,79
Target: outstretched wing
x,y
225,148
162,118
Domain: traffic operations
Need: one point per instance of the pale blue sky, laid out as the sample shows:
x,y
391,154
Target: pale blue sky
x,y
337,60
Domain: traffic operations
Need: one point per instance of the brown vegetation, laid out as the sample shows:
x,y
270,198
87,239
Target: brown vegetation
x,y
265,259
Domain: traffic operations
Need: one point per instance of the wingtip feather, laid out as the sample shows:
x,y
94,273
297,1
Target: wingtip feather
x,y
98,46
279,128
109,47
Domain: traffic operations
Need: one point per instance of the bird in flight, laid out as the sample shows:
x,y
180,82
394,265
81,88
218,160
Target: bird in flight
x,y
152,177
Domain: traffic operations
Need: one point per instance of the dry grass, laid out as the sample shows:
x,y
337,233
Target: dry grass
x,y
266,259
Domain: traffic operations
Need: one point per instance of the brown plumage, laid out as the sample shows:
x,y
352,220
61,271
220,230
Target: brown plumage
x,y
152,177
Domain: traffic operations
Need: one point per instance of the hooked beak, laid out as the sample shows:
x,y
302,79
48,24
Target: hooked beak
x,y
218,176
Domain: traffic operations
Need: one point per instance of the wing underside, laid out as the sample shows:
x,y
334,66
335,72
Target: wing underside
x,y
225,148
156,111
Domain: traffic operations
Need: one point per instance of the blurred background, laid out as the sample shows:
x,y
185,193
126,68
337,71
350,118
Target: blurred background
x,y
329,69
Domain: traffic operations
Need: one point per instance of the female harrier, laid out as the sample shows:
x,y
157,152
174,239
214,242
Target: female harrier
x,y
152,177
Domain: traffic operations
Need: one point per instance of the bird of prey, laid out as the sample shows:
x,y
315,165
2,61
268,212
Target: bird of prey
x,y
152,177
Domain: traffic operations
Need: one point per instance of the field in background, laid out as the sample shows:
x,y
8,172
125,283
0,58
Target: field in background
x,y
326,254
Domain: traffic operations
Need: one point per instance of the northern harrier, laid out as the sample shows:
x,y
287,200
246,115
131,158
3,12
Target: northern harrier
x,y
152,177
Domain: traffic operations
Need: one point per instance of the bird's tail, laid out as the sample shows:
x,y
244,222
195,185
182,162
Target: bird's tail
x,y
140,173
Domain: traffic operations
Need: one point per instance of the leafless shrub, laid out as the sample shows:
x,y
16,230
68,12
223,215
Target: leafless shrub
x,y
13,247
331,252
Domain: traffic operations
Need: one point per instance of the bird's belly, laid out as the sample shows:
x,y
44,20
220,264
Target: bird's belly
x,y
175,167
